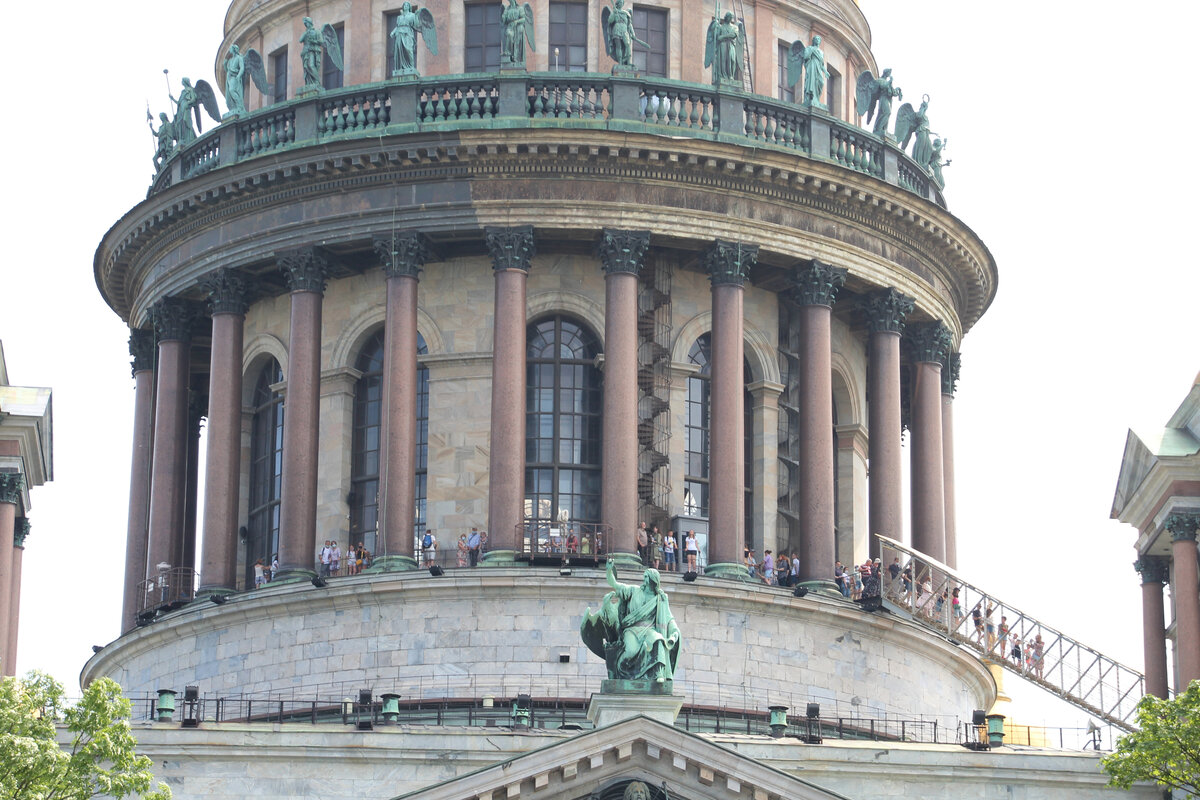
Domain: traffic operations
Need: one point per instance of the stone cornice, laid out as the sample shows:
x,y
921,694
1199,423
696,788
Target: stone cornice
x,y
929,342
227,291
623,251
141,348
1153,569
886,310
305,269
11,484
921,237
728,263
817,284
510,248
402,255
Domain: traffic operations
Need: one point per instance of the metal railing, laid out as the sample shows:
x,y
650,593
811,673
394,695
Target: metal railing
x,y
541,539
546,99
982,622
170,589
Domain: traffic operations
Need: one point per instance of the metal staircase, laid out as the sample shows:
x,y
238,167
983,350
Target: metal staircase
x,y
1069,669
654,390
789,417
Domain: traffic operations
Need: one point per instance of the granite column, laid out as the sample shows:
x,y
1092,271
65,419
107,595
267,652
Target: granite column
x,y
885,311
402,257
141,347
727,264
306,270
197,411
816,290
622,254
1153,570
1182,527
20,531
512,251
222,474
11,485
950,369
172,323
930,341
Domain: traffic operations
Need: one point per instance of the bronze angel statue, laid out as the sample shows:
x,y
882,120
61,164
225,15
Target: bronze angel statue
x,y
518,29
911,123
723,48
237,67
873,98
191,99
409,22
313,46
619,37
808,60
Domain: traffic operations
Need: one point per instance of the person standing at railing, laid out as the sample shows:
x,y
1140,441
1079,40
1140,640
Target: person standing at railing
x,y
1003,640
691,549
335,559
473,544
669,548
259,574
462,550
991,627
1038,656
642,540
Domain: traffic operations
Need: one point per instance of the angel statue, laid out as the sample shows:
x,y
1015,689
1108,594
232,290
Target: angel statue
x,y
634,630
908,123
936,163
723,48
186,106
409,21
164,138
314,45
873,98
811,61
237,66
518,29
619,38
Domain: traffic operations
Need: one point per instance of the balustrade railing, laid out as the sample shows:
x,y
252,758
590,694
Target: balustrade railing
x,y
578,541
567,99
169,589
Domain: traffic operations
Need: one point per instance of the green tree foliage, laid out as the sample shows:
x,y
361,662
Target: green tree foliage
x,y
1165,749
100,758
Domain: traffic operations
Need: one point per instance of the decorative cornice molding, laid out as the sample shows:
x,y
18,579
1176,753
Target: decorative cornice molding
x,y
20,531
728,263
886,310
951,365
403,254
172,319
141,347
817,284
510,248
930,341
1153,569
623,251
305,268
11,484
1182,526
227,291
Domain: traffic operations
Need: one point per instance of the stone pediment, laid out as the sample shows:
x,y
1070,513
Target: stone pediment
x,y
599,763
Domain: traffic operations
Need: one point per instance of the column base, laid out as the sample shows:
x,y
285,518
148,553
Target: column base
x,y
608,708
728,570
288,577
626,560
390,564
205,592
824,589
499,558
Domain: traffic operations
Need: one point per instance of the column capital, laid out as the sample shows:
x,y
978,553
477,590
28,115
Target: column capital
x,y
930,342
510,248
817,284
11,484
141,348
950,368
20,531
402,255
227,290
623,251
886,310
172,319
306,269
727,263
1182,525
1153,569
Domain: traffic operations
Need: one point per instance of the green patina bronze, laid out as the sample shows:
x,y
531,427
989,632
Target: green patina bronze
x,y
815,73
191,99
936,163
910,123
723,49
237,67
313,46
518,29
873,98
619,37
635,633
164,139
409,22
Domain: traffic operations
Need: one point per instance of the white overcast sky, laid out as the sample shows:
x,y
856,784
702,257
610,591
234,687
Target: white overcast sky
x,y
1073,148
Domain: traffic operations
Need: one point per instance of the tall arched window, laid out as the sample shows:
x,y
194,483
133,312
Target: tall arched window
x,y
366,442
266,465
696,425
562,423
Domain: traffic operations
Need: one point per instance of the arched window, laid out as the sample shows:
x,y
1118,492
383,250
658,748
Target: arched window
x,y
366,442
266,465
562,423
696,425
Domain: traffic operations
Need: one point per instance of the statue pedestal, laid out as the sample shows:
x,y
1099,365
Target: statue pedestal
x,y
405,75
510,68
308,90
620,700
622,71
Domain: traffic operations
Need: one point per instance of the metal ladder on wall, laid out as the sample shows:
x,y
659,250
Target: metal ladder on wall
x,y
747,74
1069,669
654,395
